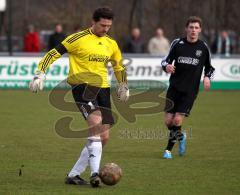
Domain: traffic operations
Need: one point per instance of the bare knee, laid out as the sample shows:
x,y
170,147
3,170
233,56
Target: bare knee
x,y
169,120
177,121
168,123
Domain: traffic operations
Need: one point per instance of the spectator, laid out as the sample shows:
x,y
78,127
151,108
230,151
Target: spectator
x,y
234,40
222,44
31,40
134,43
159,44
56,38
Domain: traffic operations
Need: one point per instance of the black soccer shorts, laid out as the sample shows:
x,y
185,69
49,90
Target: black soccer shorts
x,y
89,99
178,101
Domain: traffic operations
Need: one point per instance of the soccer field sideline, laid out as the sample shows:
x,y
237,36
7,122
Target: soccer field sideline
x,y
211,165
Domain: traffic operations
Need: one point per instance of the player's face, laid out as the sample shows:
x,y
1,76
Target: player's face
x,y
101,27
193,30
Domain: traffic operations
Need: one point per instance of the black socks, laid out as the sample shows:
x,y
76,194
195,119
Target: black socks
x,y
174,135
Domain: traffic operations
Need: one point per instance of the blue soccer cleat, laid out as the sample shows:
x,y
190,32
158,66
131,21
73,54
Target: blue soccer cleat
x,y
182,145
167,154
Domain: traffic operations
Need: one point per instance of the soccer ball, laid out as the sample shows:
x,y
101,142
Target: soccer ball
x,y
110,174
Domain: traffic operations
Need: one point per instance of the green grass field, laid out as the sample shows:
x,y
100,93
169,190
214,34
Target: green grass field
x,y
210,166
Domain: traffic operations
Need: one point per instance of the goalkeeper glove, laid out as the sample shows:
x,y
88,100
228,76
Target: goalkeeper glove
x,y
37,82
123,92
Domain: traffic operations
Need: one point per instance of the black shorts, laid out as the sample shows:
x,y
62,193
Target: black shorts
x,y
89,98
178,101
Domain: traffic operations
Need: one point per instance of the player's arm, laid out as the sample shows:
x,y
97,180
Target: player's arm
x,y
208,70
37,82
118,67
68,45
51,57
120,74
168,60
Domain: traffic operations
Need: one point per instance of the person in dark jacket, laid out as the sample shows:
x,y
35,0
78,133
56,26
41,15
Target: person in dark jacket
x,y
185,62
134,43
222,44
57,37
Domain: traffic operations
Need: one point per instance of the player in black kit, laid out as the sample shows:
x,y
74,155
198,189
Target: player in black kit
x,y
190,55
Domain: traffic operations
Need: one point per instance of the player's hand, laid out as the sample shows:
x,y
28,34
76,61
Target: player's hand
x,y
170,69
206,83
37,82
123,92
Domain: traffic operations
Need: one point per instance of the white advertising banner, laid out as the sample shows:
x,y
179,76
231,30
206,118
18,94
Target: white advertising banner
x,y
226,69
16,72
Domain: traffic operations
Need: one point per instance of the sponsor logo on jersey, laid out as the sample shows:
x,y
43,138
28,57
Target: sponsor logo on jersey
x,y
98,58
188,60
198,53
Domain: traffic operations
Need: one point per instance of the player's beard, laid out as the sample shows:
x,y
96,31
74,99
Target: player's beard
x,y
103,33
100,33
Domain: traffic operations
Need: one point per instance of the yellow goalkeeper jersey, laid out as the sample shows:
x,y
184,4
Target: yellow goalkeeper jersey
x,y
88,58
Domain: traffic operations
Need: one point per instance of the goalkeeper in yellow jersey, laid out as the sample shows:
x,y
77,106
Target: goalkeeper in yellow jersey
x,y
89,52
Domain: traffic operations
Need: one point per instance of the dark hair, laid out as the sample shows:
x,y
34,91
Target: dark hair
x,y
103,12
194,19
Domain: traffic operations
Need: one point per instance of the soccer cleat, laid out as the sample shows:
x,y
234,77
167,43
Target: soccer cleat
x,y
182,145
167,154
95,180
76,180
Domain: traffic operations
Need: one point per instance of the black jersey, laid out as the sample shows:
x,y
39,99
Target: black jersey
x,y
189,60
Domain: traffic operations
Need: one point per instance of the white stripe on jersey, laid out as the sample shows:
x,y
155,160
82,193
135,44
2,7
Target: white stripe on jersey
x,y
208,51
175,41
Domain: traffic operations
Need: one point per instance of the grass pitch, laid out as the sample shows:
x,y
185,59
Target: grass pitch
x,y
211,165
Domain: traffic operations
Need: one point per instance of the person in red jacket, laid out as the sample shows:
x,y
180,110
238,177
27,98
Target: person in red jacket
x,y
31,40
